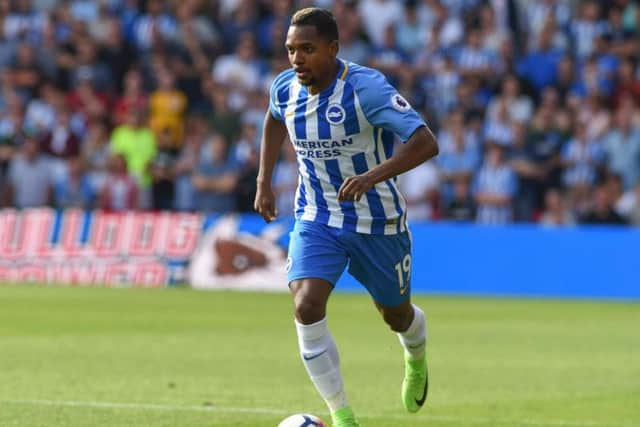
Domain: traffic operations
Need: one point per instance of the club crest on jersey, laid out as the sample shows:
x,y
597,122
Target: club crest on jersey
x,y
335,114
399,103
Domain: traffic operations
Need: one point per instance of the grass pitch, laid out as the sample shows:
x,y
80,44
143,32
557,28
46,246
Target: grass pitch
x,y
116,357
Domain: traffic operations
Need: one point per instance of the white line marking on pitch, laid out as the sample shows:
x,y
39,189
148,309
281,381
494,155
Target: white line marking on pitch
x,y
152,406
272,411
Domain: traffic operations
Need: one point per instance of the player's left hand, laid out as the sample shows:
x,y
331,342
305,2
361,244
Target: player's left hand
x,y
354,187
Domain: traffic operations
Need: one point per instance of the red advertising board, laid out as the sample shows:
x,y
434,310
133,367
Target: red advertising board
x,y
88,248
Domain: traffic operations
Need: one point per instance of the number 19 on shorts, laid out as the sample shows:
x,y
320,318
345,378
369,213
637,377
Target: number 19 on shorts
x,y
403,269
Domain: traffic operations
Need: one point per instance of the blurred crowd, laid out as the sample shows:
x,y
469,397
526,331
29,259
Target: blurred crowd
x,y
158,104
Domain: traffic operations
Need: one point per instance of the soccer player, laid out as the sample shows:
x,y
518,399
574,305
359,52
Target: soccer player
x,y
341,118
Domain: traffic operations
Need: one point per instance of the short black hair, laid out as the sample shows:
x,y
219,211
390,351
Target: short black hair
x,y
321,19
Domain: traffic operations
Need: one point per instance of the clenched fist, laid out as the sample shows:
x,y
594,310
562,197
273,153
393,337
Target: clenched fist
x,y
354,187
265,203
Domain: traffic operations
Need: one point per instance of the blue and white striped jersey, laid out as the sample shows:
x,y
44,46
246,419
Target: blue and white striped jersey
x,y
343,131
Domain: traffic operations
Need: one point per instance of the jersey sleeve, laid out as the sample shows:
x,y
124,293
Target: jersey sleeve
x,y
384,107
279,94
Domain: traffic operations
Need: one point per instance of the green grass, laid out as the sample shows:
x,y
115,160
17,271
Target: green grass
x,y
116,357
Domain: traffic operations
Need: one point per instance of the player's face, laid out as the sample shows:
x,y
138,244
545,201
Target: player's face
x,y
311,56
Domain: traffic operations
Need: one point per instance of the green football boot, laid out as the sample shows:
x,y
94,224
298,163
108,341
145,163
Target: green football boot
x,y
415,384
344,417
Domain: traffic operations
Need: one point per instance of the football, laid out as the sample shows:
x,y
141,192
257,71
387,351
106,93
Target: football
x,y
302,420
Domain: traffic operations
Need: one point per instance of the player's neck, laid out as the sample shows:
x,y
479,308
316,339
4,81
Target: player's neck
x,y
322,85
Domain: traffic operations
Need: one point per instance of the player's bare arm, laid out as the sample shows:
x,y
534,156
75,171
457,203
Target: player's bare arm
x,y
273,135
420,147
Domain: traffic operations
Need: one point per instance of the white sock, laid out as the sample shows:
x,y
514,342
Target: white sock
x,y
414,339
320,357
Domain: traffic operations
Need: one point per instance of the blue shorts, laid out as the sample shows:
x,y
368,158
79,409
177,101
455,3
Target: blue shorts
x,y
382,263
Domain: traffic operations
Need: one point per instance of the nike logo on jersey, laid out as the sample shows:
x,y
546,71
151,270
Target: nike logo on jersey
x,y
313,356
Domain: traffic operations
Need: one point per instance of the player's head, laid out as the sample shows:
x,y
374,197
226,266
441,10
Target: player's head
x,y
312,44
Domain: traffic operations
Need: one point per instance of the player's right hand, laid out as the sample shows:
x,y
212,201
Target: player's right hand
x,y
265,203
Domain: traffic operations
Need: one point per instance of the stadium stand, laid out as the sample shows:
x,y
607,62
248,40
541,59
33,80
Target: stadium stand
x,y
536,104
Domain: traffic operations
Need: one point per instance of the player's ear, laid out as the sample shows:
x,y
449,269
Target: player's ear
x,y
334,47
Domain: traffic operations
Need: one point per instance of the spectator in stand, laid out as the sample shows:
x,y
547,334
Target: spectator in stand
x,y
448,30
469,98
607,63
137,145
420,187
12,117
163,172
8,92
122,192
623,41
442,81
240,71
215,178
253,116
474,60
223,120
277,19
246,146
89,66
592,112
456,122
499,128
628,85
622,148
602,212
536,159
494,186
86,102
586,28
84,10
133,97
95,154
187,68
566,82
26,73
155,27
116,51
73,189
247,174
582,159
190,24
7,149
539,13
493,34
377,16
555,212
23,22
462,206
60,143
29,177
615,189
76,33
458,163
391,60
540,67
628,206
274,42
518,106
411,33
242,17
167,106
187,162
40,115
